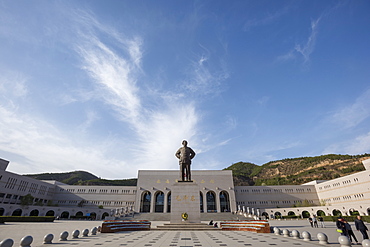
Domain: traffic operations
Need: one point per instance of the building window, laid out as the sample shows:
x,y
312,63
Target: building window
x,y
224,201
145,202
159,202
211,202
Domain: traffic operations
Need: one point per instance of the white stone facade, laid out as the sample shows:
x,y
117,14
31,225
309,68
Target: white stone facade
x,y
153,195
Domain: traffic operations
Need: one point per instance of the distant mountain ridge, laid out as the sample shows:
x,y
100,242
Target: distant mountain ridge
x,y
297,170
82,178
292,171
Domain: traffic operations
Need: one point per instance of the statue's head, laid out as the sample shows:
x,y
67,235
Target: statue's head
x,y
185,143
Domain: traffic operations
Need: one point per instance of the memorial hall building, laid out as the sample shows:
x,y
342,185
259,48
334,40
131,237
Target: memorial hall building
x,y
152,196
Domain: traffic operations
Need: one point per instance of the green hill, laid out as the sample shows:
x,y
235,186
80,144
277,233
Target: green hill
x,y
82,178
297,170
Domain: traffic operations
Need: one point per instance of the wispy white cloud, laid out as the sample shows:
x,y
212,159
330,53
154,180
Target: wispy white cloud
x,y
202,80
159,131
113,74
306,49
41,147
358,145
113,63
266,19
354,114
263,101
91,117
13,84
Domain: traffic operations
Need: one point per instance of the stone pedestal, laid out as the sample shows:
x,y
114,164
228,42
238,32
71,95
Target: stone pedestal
x,y
185,199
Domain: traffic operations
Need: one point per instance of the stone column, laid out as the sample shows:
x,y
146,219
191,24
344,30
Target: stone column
x,y
152,202
165,204
205,201
218,202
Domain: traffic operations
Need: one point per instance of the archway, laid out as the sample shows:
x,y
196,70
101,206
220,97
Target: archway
x,y
34,212
277,215
368,211
201,202
145,202
224,202
17,212
291,213
305,214
266,215
353,212
169,202
93,215
337,213
104,215
79,214
211,202
159,202
320,213
2,211
64,215
50,213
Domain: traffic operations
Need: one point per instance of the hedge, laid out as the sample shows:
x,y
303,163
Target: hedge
x,y
26,219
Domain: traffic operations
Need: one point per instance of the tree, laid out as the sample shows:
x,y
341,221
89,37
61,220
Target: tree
x,y
81,203
27,200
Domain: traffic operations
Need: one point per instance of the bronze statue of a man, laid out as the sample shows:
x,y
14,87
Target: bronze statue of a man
x,y
185,154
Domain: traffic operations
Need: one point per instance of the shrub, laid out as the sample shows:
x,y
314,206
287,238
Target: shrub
x,y
26,219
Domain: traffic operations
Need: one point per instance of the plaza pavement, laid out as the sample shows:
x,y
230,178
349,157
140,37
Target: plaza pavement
x,y
17,231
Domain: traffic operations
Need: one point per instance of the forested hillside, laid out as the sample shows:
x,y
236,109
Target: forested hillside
x,y
82,178
297,170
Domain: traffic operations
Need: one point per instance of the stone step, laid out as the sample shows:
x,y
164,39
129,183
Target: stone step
x,y
186,227
203,216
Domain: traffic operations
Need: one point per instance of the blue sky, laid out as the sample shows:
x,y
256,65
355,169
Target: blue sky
x,y
112,87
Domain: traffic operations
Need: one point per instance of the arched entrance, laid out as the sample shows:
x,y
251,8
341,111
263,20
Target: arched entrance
x,y
337,213
353,212
291,213
17,212
145,202
50,213
266,215
201,202
64,215
224,202
320,213
169,202
93,215
34,212
159,202
277,215
2,211
104,215
211,202
305,214
79,214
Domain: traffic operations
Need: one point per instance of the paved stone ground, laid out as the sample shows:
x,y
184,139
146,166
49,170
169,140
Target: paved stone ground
x,y
17,231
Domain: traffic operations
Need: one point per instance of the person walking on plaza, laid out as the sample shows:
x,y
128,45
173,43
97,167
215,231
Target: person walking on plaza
x,y
314,219
321,220
350,233
310,220
360,226
341,228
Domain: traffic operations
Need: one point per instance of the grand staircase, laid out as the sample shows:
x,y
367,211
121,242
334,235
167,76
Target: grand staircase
x,y
203,216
